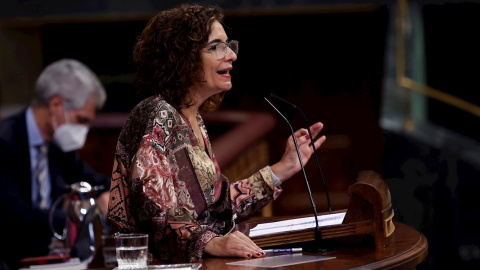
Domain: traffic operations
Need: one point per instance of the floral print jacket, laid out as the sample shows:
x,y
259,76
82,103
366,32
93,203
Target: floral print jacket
x,y
163,184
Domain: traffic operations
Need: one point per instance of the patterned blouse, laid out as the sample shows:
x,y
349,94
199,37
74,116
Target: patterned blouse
x,y
163,184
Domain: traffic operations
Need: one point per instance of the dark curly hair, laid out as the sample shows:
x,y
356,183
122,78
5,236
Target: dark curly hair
x,y
167,55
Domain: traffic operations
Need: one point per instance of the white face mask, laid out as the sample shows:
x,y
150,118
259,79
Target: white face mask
x,y
69,136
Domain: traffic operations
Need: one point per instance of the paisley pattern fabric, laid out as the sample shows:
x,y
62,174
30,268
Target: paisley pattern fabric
x,y
163,184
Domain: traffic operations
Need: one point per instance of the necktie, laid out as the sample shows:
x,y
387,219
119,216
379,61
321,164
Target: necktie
x,y
41,173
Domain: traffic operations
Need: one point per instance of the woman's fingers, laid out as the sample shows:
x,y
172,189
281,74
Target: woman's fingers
x,y
250,246
235,244
316,128
320,141
302,134
289,164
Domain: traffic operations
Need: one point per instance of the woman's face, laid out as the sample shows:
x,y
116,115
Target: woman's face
x,y
217,70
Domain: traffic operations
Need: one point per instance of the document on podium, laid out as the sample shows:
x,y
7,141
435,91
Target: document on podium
x,y
296,224
280,261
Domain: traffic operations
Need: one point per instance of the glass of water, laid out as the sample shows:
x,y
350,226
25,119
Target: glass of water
x,y
132,250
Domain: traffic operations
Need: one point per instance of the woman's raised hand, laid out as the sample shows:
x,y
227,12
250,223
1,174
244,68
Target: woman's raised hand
x,y
289,164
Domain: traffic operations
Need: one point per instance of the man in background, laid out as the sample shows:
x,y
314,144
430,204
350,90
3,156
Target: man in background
x,y
38,157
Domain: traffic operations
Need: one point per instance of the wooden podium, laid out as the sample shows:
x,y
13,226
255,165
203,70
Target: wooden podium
x,y
406,252
370,212
397,246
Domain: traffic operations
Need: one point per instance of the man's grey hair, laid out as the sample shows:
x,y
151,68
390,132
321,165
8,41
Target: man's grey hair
x,y
72,80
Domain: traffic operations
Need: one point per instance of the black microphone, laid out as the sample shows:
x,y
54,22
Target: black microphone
x,y
318,231
313,146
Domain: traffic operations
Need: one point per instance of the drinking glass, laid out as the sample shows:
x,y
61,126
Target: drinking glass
x,y
132,251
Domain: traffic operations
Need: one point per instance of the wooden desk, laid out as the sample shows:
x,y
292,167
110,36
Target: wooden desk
x,y
409,248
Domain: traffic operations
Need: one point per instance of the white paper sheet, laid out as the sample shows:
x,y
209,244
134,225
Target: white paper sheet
x,y
296,224
280,261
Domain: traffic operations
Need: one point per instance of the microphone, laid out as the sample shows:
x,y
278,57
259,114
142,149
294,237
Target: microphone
x,y
318,231
314,150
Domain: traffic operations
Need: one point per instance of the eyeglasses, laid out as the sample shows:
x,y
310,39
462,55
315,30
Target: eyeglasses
x,y
221,48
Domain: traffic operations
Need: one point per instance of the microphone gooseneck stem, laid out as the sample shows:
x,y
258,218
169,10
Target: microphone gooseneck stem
x,y
317,228
313,146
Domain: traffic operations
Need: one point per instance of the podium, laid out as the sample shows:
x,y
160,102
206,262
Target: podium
x,y
369,212
397,246
406,252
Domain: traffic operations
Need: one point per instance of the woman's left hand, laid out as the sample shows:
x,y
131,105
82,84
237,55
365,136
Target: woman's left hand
x,y
289,164
235,244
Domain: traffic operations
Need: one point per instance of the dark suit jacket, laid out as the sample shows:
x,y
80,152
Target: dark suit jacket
x,y
24,230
